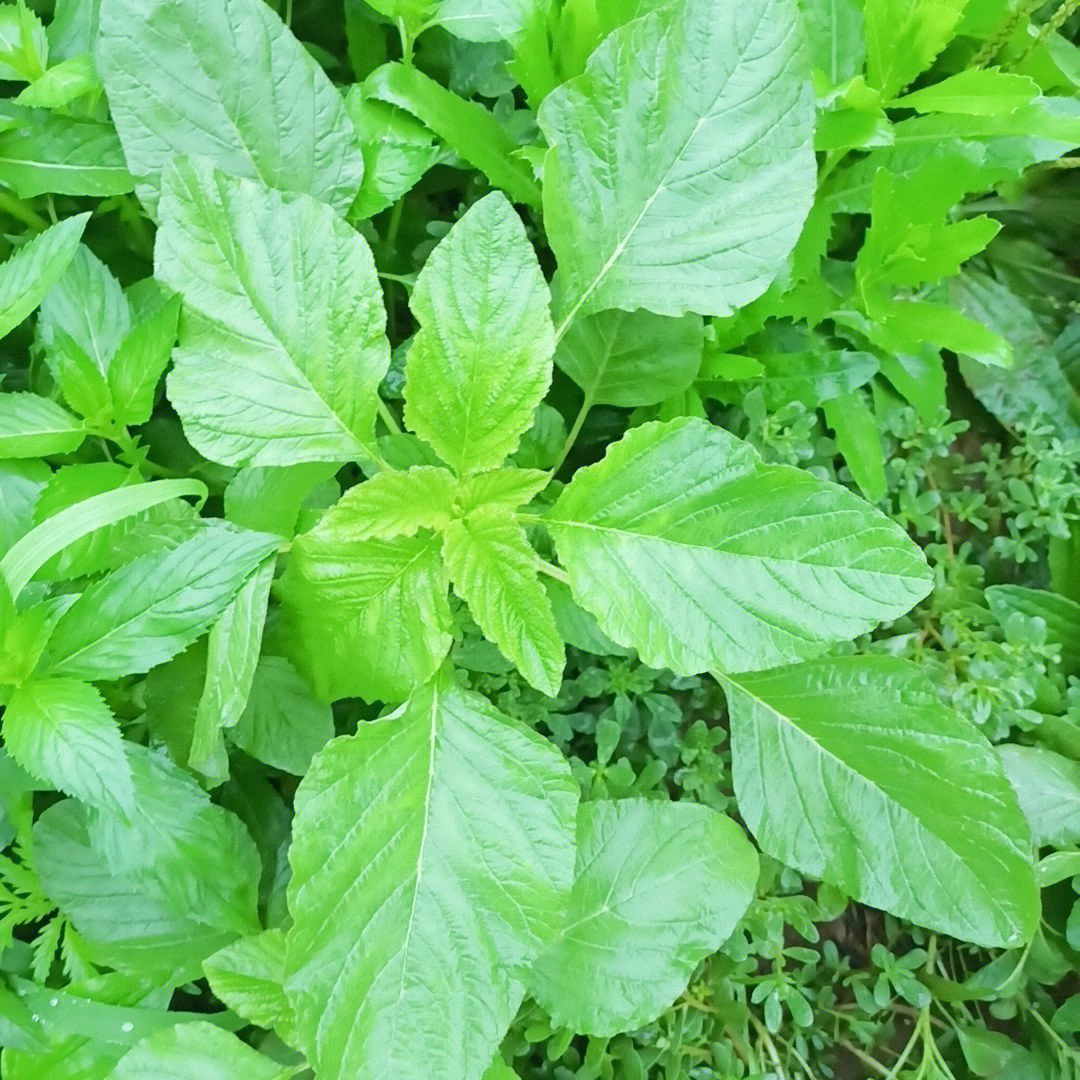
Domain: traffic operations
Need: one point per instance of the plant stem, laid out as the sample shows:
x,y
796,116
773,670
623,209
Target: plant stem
x,y
388,417
17,209
575,431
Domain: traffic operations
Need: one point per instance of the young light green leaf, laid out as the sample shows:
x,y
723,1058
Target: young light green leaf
x,y
228,82
35,268
369,618
396,504
710,202
249,977
62,732
152,608
688,548
852,770
139,362
283,723
493,568
282,345
631,358
24,46
446,814
1048,787
659,887
231,656
977,92
509,488
21,484
62,84
33,426
59,155
198,1051
38,546
859,440
481,361
904,36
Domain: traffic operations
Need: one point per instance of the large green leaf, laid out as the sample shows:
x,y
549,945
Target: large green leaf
x,y
481,361
225,80
369,618
1048,787
688,548
852,770
282,342
432,861
248,976
659,887
61,731
681,168
198,1051
631,358
494,569
151,608
33,270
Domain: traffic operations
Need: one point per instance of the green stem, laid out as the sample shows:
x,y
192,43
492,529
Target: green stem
x,y
17,209
388,417
553,571
575,431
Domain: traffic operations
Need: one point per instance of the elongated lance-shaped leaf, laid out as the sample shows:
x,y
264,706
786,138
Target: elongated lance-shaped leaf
x,y
282,343
688,548
33,426
432,860
33,270
852,770
198,1051
227,81
481,361
681,167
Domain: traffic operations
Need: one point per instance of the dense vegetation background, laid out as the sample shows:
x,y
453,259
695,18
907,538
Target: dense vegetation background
x,y
920,346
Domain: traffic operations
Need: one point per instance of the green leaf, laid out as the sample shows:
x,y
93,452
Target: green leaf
x,y
32,426
33,270
152,608
659,887
231,656
432,860
703,112
688,548
62,732
56,154
56,533
62,84
270,499
249,975
283,723
398,150
834,29
494,570
396,504
24,47
1060,615
976,92
1048,787
509,488
481,361
282,345
631,359
368,618
851,769
858,439
21,484
227,82
197,1051
139,362
193,854
904,36
466,126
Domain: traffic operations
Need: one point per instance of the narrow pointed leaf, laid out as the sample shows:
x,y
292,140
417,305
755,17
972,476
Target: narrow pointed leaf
x,y
33,426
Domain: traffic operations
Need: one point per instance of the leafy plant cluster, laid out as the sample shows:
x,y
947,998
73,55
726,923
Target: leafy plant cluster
x,y
539,539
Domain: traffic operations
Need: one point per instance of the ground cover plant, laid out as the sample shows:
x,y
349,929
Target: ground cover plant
x,y
539,539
